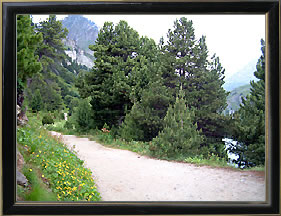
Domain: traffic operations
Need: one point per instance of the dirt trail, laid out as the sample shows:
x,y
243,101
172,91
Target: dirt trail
x,y
122,175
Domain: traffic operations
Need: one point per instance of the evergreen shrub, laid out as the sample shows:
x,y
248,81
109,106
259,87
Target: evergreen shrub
x,y
180,136
47,119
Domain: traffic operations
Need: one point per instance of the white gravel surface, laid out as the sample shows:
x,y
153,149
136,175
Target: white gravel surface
x,y
123,175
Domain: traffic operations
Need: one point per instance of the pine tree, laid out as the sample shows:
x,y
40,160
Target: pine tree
x,y
249,121
120,72
52,48
82,115
27,62
50,92
201,80
180,136
51,53
145,120
36,103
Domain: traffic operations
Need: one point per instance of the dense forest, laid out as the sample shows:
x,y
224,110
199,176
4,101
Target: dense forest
x,y
169,97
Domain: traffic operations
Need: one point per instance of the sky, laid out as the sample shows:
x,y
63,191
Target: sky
x,y
234,38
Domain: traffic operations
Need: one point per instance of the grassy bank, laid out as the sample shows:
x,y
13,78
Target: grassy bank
x,y
49,162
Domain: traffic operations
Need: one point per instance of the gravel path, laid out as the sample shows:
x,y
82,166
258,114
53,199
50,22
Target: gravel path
x,y
122,175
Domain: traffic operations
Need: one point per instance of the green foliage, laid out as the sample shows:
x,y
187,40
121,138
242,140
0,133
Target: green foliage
x,y
51,49
180,136
83,116
47,119
39,191
55,82
64,171
120,73
213,160
69,125
145,120
249,122
201,79
72,105
36,103
49,90
27,62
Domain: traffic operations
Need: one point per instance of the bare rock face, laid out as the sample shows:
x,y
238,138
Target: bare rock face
x,y
77,54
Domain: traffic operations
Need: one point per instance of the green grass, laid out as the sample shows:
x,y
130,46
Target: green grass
x,y
107,139
257,168
39,191
213,161
65,172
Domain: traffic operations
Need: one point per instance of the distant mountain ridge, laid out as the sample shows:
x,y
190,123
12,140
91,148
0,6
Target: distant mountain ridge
x,y
241,77
234,99
81,33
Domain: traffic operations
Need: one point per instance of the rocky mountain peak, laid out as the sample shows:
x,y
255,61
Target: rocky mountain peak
x,y
81,33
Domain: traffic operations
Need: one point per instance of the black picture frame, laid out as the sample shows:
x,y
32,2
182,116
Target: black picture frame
x,y
270,8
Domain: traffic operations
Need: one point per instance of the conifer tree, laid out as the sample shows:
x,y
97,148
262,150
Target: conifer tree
x,y
50,92
120,72
249,121
145,120
27,62
82,115
180,135
36,103
52,48
201,79
51,54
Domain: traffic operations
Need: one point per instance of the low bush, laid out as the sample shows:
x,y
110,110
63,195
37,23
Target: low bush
x,y
47,119
68,125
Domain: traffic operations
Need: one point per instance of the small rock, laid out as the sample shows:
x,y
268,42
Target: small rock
x,y
21,179
20,161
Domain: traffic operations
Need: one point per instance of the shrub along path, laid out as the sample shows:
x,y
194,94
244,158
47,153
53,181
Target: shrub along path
x,y
122,175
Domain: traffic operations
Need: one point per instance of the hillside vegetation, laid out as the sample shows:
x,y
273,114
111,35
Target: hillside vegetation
x,y
164,100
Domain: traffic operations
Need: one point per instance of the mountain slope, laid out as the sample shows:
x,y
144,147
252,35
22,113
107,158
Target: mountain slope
x,y
241,77
234,98
81,33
